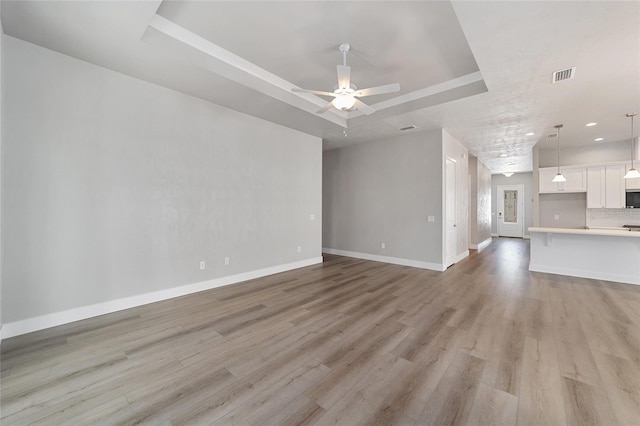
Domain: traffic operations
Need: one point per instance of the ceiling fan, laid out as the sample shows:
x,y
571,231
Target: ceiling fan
x,y
345,96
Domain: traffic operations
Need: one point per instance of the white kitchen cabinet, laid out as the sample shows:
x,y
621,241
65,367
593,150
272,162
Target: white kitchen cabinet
x,y
595,187
605,187
614,181
633,183
576,180
545,184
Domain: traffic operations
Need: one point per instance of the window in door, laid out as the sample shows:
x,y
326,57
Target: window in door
x,y
511,206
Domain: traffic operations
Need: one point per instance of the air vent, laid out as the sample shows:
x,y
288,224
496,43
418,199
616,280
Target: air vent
x,y
404,129
562,75
552,135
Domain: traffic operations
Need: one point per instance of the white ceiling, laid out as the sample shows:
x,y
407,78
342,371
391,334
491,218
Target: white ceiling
x,y
480,70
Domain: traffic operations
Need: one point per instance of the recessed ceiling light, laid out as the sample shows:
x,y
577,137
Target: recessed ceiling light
x,y
590,124
529,134
510,164
503,155
598,139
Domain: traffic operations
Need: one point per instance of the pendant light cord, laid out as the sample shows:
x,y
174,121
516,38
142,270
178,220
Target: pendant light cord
x,y
633,150
558,150
558,177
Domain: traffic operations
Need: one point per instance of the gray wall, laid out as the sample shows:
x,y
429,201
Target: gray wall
x,y
473,201
480,202
1,154
115,187
525,179
590,154
383,191
571,209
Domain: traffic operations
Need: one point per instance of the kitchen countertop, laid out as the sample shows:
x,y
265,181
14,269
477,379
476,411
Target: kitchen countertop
x,y
613,232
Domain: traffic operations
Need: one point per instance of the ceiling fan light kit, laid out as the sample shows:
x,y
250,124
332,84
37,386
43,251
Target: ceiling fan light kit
x,y
345,97
344,102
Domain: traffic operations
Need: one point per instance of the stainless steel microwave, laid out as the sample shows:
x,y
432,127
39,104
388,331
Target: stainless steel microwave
x,y
633,200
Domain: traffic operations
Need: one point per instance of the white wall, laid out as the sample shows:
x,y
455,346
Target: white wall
x,y
525,179
383,191
115,187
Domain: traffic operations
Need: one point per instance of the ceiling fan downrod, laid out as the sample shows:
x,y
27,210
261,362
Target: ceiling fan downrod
x,y
344,48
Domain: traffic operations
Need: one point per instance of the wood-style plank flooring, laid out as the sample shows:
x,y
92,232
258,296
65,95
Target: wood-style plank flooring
x,y
348,342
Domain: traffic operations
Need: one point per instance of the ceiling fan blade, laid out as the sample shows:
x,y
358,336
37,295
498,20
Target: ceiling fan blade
x,y
378,90
325,108
366,109
344,77
315,92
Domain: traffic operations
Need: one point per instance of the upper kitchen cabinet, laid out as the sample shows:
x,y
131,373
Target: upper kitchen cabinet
x,y
633,183
605,187
576,180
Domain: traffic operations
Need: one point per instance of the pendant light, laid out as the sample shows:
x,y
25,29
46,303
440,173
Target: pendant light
x,y
559,177
632,173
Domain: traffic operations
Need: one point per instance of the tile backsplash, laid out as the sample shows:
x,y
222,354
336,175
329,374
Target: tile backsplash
x,y
612,217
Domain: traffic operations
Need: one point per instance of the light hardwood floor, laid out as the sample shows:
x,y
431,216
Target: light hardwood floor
x,y
348,342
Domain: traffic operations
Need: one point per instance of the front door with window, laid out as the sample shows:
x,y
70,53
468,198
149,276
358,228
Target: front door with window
x,y
511,211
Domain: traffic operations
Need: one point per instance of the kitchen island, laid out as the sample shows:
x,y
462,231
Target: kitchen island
x,y
603,254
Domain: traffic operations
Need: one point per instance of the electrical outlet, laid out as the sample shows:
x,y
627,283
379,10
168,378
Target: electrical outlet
x,y
431,218
556,217
383,245
312,216
299,249
202,264
226,261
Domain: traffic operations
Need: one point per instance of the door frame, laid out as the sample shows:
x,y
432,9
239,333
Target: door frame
x,y
500,202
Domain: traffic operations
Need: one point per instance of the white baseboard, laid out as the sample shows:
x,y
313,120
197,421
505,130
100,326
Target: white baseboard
x,y
525,236
483,245
628,279
29,325
462,255
387,259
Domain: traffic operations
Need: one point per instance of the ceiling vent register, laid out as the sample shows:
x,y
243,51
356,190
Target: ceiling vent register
x,y
566,74
404,129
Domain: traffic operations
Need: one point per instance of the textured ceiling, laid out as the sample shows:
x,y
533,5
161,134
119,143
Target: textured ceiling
x,y
480,70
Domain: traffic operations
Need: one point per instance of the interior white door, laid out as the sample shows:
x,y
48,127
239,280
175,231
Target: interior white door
x,y
511,210
450,212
